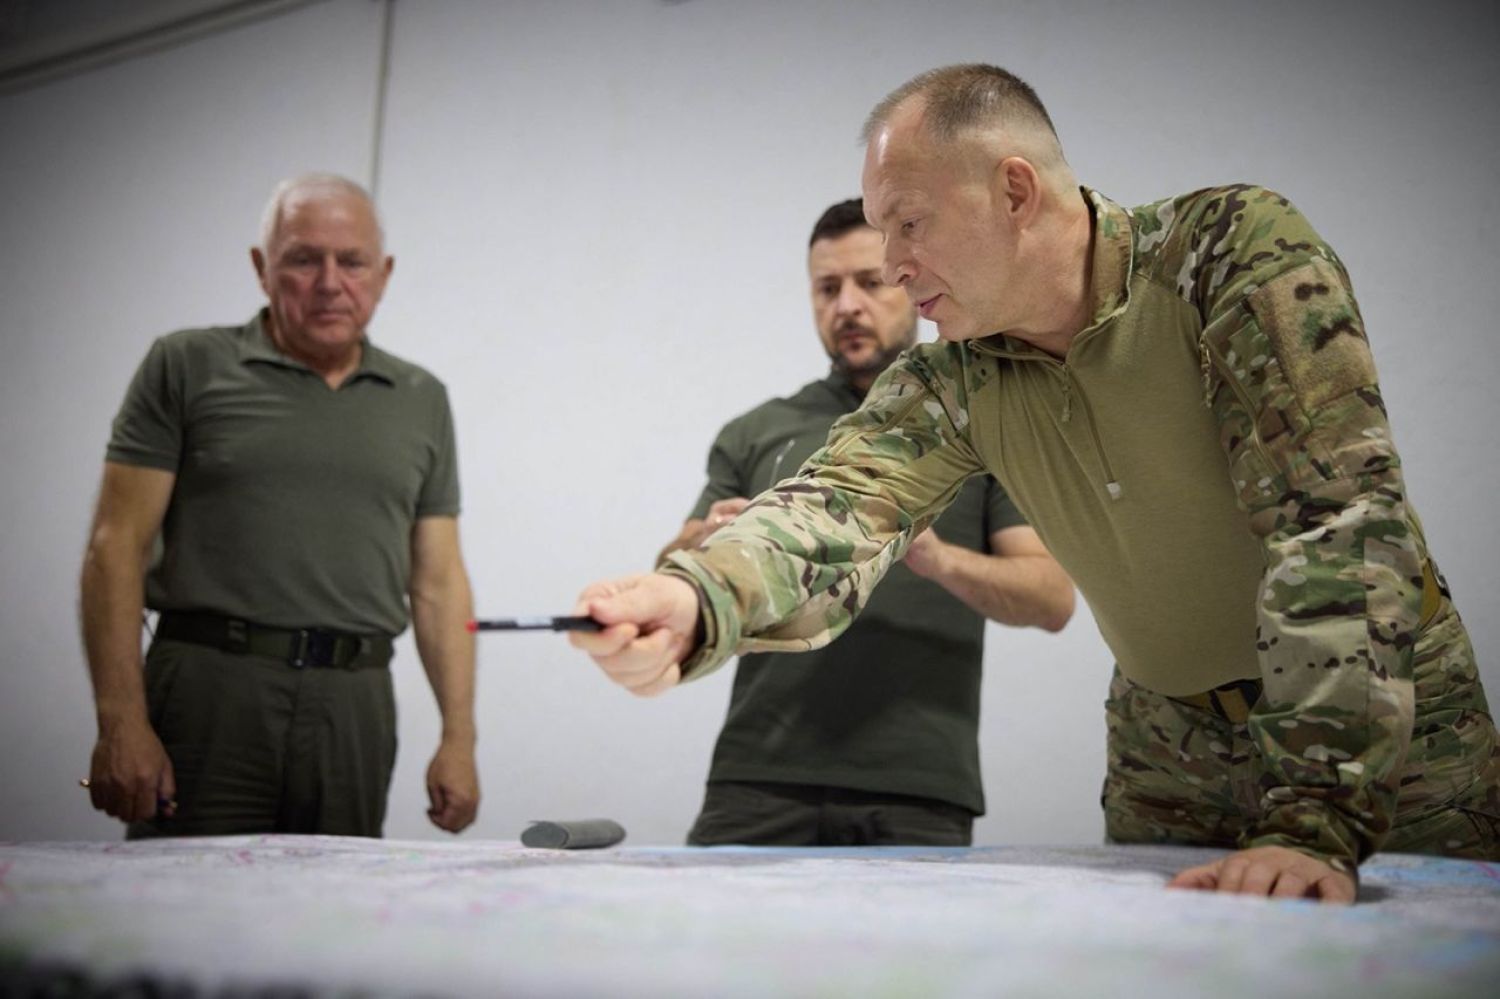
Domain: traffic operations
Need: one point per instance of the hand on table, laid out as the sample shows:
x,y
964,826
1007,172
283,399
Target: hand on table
x,y
1270,870
130,775
650,625
452,788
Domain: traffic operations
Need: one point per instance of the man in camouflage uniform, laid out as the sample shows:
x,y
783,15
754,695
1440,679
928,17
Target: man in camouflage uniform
x,y
1293,680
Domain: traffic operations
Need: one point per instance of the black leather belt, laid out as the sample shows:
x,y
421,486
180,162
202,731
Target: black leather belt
x,y
299,647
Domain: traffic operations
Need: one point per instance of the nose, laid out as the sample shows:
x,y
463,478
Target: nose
x,y
895,269
328,274
851,299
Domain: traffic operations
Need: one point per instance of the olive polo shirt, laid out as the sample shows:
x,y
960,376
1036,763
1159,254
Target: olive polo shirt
x,y
294,503
893,705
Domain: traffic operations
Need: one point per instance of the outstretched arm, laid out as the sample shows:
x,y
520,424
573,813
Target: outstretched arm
x,y
792,570
650,628
696,530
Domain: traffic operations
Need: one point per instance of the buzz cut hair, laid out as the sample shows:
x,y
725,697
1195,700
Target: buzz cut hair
x,y
270,219
846,216
958,99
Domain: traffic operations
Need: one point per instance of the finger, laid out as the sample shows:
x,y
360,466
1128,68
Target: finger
x,y
640,602
608,642
665,682
727,508
1232,874
1259,879
440,801
1290,885
98,796
632,666
459,816
141,804
1335,888
442,817
109,802
1201,878
601,590
166,789
116,799
641,667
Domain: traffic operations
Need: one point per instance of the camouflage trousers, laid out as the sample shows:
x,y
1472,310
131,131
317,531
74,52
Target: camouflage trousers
x,y
1181,774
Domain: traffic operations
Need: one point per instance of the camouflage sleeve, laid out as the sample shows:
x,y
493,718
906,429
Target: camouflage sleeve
x,y
1289,377
791,572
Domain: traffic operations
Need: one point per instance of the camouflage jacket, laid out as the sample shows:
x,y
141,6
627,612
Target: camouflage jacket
x,y
1211,463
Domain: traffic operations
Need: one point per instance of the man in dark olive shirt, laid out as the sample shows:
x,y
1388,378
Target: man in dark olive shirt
x,y
874,738
303,487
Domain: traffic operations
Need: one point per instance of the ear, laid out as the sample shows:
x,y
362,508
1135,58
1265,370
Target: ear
x,y
1018,190
258,259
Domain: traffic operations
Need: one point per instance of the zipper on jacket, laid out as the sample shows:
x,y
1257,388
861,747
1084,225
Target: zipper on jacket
x,y
776,465
1070,387
1111,484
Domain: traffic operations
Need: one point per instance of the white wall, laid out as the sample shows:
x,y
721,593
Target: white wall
x,y
600,212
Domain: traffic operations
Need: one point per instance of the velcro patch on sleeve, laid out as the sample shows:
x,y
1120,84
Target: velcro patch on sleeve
x,y
1312,322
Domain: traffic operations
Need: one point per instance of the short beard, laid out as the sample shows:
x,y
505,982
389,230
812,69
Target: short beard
x,y
874,366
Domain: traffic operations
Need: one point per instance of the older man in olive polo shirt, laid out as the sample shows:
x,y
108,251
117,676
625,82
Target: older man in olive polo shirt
x,y
303,486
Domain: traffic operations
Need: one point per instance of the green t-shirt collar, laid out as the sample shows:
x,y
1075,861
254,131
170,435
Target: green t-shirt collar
x,y
259,347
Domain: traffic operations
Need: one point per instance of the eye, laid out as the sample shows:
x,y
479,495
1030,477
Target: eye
x,y
871,283
352,262
908,227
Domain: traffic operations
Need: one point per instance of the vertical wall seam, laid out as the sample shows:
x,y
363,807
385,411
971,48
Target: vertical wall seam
x,y
382,87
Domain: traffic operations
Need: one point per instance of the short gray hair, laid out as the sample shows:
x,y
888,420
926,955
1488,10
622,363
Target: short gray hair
x,y
959,98
270,219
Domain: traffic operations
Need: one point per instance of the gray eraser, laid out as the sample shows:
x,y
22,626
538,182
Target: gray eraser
x,y
574,834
